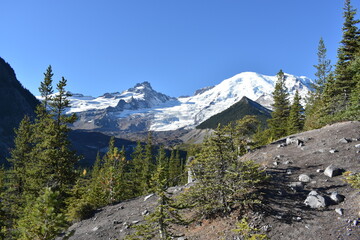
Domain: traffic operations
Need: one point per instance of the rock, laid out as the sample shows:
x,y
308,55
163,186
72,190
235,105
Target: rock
x,y
275,163
278,157
146,212
95,229
357,145
315,200
340,211
181,238
148,196
289,141
333,151
332,171
355,222
282,145
287,162
304,178
337,198
288,172
297,186
319,170
299,143
344,140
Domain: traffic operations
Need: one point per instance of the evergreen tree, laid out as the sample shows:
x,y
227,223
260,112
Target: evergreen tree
x,y
149,163
175,169
52,161
350,45
222,180
20,157
296,117
353,112
323,69
46,88
137,170
278,122
42,220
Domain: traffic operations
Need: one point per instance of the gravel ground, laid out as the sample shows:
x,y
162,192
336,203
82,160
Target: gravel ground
x,y
283,214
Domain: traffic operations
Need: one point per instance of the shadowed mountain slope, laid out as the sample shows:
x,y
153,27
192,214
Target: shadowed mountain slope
x,y
237,111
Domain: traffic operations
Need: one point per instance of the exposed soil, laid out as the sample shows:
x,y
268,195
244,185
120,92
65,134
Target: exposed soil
x,y
283,214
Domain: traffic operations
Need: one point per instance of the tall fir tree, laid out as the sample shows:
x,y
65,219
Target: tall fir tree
x,y
313,105
278,122
350,45
175,169
52,161
296,116
353,111
139,181
323,68
149,162
46,88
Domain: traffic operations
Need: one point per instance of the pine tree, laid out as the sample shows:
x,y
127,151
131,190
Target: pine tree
x,y
42,220
323,69
46,88
149,162
175,169
350,45
353,112
52,161
278,122
222,180
139,181
296,117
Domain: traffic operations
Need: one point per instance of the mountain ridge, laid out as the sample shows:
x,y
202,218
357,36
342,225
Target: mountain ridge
x,y
141,108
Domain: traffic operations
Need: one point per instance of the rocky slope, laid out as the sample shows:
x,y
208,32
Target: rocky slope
x,y
15,103
141,108
284,213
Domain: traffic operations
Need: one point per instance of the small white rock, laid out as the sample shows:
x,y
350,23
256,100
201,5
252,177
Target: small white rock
x,y
304,178
340,211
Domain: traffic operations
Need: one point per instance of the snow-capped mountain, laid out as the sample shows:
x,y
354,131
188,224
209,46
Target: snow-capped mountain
x,y
140,96
142,108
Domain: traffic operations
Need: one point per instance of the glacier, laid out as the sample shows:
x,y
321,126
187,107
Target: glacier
x,y
158,112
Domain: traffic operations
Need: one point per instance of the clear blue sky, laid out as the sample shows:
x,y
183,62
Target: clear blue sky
x,y
176,45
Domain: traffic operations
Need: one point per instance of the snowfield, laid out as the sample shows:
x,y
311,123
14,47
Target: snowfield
x,y
186,112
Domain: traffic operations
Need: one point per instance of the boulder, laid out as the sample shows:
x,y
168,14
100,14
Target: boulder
x,y
304,178
337,198
332,171
315,200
